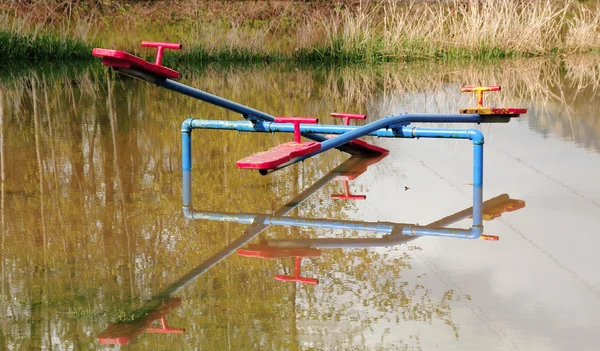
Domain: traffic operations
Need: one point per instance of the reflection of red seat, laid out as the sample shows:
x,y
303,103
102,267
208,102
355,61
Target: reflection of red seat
x,y
357,169
115,58
347,195
266,251
497,211
123,333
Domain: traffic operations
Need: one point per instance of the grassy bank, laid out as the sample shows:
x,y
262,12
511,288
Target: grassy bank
x,y
41,48
375,31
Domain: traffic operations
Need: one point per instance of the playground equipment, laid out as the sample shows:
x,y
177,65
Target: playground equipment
x,y
346,137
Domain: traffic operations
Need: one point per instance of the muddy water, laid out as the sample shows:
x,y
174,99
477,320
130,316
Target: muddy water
x,y
94,239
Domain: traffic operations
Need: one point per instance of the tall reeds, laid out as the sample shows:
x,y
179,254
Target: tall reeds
x,y
391,31
24,39
375,31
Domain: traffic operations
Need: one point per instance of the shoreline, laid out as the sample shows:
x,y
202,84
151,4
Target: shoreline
x,y
299,32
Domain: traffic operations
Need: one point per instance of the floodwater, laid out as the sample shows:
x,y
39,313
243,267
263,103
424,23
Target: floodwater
x,y
95,247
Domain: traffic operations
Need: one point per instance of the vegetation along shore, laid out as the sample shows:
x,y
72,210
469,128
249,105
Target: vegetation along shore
x,y
300,31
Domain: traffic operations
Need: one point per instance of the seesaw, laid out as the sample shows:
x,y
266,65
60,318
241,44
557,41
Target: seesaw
x,y
164,302
323,136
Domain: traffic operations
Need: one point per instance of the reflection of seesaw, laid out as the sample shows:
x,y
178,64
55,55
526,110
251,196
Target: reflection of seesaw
x,y
156,307
395,235
163,302
123,333
347,139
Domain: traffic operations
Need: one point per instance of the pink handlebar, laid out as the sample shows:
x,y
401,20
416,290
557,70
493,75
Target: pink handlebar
x,y
161,47
347,116
296,121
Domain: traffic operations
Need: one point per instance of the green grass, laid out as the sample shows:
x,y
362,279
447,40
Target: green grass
x,y
41,47
199,54
377,33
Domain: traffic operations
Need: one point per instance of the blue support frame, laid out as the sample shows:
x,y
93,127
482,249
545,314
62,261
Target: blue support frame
x,y
389,127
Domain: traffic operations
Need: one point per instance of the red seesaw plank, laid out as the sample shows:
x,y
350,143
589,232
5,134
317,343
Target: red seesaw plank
x,y
278,155
283,153
116,58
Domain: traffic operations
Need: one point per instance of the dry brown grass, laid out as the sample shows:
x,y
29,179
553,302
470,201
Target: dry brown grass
x,y
373,31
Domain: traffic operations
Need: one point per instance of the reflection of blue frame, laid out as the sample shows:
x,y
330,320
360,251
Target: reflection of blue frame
x,y
259,223
278,218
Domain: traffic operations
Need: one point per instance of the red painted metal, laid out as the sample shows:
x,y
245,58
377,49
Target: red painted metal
x,y
283,153
120,59
297,278
360,143
370,147
347,195
123,333
160,48
296,121
347,116
489,237
507,206
278,155
266,251
165,329
354,172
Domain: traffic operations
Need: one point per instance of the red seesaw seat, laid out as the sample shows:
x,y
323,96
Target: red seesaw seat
x,y
121,59
283,153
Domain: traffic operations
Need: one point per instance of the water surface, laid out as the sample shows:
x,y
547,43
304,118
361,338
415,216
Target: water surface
x,y
92,228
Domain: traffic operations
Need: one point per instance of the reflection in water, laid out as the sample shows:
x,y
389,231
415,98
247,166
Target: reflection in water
x,y
90,201
300,248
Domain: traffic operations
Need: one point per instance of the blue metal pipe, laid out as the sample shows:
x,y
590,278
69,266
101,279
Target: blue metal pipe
x,y
247,112
186,146
377,227
271,127
392,126
395,122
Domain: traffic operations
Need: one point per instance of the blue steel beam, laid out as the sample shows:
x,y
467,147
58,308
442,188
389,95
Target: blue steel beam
x,y
404,131
396,125
378,227
249,113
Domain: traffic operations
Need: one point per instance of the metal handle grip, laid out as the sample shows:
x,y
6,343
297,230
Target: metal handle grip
x,y
160,48
296,121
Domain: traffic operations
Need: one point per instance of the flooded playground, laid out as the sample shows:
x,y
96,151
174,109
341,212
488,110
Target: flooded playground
x,y
95,247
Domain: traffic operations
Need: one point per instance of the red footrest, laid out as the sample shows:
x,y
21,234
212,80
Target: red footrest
x,y
278,155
